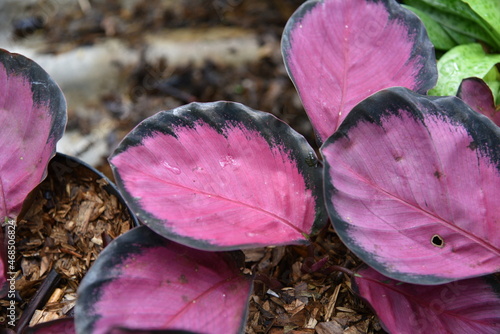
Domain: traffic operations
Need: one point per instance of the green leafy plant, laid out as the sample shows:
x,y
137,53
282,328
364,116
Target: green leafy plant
x,y
468,31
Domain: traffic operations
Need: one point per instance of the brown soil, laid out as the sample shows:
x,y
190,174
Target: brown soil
x,y
300,289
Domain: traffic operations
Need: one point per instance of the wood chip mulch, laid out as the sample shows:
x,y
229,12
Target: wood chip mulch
x,y
70,220
299,290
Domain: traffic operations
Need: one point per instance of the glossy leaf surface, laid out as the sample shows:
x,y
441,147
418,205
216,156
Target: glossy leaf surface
x,y
221,176
456,7
437,34
461,62
412,185
339,52
32,117
476,93
489,11
460,307
142,281
458,19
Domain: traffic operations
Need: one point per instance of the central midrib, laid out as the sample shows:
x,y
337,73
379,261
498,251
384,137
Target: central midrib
x,y
425,212
344,74
283,220
192,302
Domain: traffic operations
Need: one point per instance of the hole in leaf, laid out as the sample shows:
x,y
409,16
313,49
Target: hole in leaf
x,y
437,241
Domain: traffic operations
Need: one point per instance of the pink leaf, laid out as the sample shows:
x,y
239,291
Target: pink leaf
x,y
32,117
460,307
221,176
119,330
412,187
338,52
477,94
143,281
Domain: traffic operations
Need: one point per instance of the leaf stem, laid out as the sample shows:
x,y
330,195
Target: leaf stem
x,y
43,293
344,270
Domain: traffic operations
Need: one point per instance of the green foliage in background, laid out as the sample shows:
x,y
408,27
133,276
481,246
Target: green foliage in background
x,y
468,31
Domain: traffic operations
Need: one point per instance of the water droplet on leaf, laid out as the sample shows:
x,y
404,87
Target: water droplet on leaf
x,y
227,161
311,160
171,168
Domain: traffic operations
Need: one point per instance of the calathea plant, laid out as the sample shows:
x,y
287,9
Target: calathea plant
x,y
32,118
409,182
